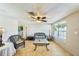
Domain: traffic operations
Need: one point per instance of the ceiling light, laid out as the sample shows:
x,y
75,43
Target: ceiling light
x,y
37,15
38,21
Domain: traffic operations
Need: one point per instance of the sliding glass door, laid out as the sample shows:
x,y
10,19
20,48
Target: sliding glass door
x,y
60,29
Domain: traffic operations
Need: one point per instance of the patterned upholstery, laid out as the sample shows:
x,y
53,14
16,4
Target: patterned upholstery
x,y
40,36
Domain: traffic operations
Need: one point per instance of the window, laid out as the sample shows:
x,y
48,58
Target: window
x,y
59,30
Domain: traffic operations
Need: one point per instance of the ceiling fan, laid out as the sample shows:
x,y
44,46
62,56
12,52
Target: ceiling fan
x,y
37,15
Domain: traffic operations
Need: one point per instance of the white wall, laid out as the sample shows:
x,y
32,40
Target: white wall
x,y
72,42
10,26
33,28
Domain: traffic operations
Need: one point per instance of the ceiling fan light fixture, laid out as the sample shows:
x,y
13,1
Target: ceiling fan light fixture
x,y
38,18
38,21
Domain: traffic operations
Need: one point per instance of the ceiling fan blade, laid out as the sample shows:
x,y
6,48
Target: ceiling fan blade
x,y
43,17
33,17
44,20
32,13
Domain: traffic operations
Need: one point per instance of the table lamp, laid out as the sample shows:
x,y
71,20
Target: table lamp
x,y
1,32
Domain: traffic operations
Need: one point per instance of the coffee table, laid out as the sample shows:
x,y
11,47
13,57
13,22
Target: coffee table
x,y
41,43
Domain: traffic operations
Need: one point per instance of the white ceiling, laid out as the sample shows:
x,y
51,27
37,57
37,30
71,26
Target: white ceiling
x,y
54,11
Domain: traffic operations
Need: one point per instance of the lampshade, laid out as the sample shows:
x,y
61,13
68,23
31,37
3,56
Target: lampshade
x,y
2,30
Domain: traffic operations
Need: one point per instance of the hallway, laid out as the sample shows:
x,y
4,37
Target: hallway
x,y
54,50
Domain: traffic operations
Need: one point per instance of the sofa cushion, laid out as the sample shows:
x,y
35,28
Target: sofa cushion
x,y
19,41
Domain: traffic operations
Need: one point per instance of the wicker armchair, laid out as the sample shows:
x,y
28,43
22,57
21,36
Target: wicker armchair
x,y
17,40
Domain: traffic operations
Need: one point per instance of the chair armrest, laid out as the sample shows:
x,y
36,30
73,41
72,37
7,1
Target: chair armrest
x,y
22,39
46,37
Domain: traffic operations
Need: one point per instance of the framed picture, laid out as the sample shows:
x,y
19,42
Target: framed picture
x,y
20,30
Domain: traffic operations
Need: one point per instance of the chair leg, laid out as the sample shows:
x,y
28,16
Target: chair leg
x,y
24,44
47,48
35,48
